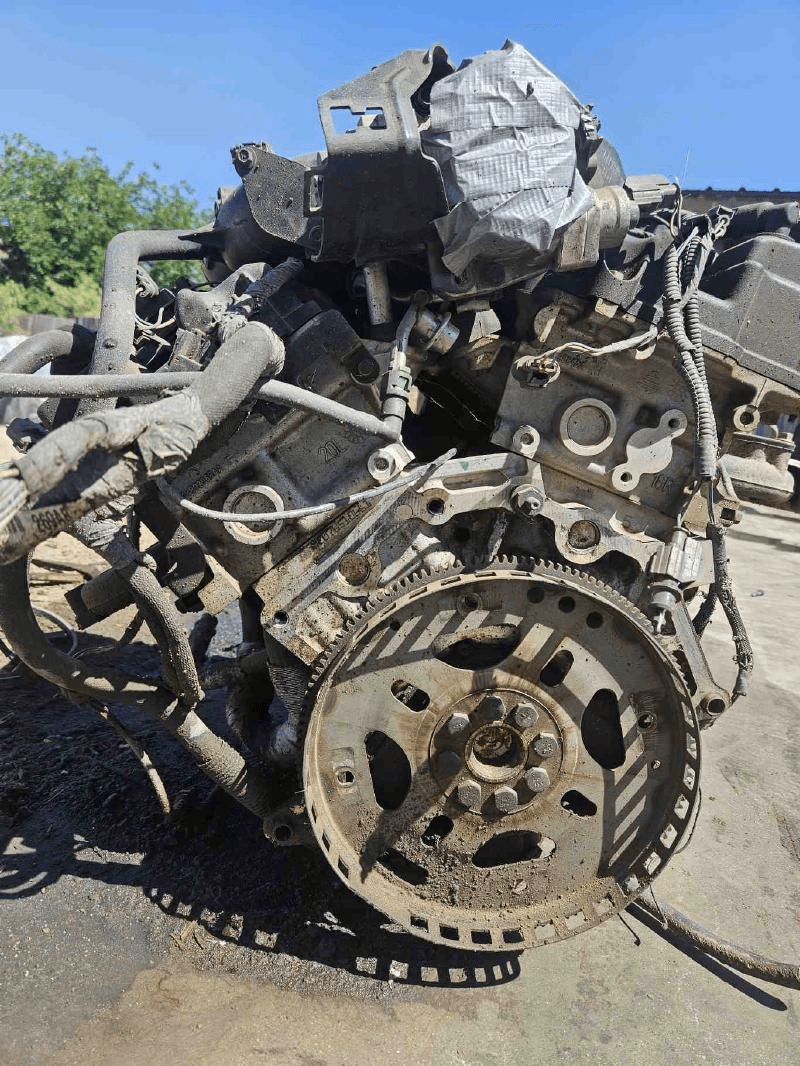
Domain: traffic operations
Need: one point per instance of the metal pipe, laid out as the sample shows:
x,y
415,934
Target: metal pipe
x,y
281,392
97,386
379,298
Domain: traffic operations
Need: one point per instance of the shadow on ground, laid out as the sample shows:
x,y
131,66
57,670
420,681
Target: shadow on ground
x,y
75,803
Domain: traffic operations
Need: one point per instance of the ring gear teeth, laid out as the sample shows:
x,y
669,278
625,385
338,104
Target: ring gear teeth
x,y
481,877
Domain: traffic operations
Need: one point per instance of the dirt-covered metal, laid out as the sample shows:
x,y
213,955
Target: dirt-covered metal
x,y
420,354
493,755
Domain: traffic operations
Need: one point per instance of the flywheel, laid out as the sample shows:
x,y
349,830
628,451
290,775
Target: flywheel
x,y
500,758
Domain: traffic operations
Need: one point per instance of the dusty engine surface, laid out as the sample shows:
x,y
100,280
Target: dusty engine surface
x,y
460,421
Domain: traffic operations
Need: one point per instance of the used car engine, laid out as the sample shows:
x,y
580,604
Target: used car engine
x,y
459,421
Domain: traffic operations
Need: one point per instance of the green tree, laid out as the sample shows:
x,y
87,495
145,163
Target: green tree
x,y
57,215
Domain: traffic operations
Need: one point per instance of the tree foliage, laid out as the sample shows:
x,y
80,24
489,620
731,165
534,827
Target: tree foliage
x,y
57,215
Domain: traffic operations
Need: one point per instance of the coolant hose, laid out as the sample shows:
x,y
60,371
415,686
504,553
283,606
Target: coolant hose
x,y
43,348
747,962
154,439
115,333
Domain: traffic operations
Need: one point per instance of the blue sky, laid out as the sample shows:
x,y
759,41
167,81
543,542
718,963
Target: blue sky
x,y
707,92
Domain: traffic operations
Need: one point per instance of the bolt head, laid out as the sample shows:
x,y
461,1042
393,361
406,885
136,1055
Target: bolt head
x,y
525,714
528,502
630,884
469,793
545,745
448,763
537,779
493,708
506,799
457,723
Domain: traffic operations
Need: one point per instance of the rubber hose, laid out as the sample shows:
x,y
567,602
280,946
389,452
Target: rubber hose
x,y
703,616
253,352
108,539
222,763
165,434
115,333
747,962
37,351
724,589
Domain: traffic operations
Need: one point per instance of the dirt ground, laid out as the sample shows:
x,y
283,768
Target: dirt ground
x,y
127,940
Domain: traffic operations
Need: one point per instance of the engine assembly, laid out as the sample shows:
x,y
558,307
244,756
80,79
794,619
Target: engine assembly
x,y
459,421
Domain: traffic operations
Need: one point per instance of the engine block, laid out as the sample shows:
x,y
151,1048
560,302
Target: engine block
x,y
461,435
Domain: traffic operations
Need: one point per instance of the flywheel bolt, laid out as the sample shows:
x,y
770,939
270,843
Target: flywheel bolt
x,y
448,763
457,723
525,714
493,708
469,793
537,779
545,745
528,501
506,799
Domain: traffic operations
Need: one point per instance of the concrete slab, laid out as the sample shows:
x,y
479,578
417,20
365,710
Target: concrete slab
x,y
340,990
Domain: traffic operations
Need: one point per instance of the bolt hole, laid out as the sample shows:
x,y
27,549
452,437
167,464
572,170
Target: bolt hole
x,y
437,830
746,418
435,506
394,625
280,618
626,476
282,833
646,721
594,620
576,803
535,594
715,706
403,867
409,695
674,423
566,604
557,669
516,845
469,602
345,777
